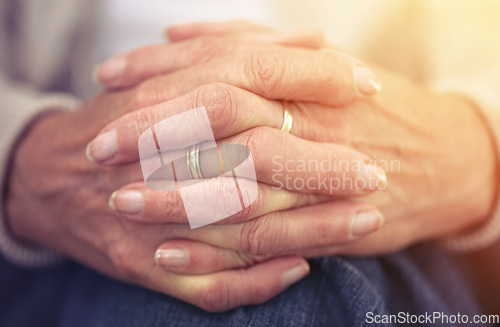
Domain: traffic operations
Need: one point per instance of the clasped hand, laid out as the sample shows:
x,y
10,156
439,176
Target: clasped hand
x,y
240,72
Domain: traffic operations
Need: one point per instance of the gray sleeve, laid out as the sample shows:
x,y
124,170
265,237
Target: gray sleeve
x,y
19,105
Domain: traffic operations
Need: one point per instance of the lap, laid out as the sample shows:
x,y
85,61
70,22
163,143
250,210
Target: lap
x,y
338,291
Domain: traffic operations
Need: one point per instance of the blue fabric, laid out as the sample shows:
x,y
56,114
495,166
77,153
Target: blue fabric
x,y
338,292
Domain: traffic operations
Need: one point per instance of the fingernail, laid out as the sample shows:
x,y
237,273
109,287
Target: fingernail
x,y
294,275
373,178
173,257
87,153
127,201
366,222
103,147
110,72
111,201
365,80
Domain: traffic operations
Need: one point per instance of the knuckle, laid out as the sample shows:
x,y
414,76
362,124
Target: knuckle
x,y
170,207
281,233
252,235
137,120
120,256
219,98
317,37
203,49
143,94
215,296
249,260
255,139
326,233
260,235
265,69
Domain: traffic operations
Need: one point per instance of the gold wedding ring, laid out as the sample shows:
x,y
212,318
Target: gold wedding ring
x,y
193,161
287,118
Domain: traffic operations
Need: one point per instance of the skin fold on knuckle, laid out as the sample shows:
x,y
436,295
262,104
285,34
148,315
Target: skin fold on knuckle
x,y
256,140
258,236
129,127
167,207
251,236
328,233
140,120
248,260
265,69
221,102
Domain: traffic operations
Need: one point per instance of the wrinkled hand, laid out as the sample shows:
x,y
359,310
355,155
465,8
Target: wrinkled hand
x,y
430,143
58,199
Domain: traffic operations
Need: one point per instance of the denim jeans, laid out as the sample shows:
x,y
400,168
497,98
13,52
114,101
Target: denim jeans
x,y
338,292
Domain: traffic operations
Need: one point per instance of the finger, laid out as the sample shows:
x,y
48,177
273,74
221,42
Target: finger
x,y
228,109
291,231
326,76
192,30
190,257
288,162
275,158
133,260
218,291
135,66
329,168
234,288
139,203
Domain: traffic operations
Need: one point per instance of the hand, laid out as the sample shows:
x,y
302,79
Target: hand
x,y
421,139
58,199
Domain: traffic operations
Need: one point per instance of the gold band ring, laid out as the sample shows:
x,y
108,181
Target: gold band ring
x,y
287,117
